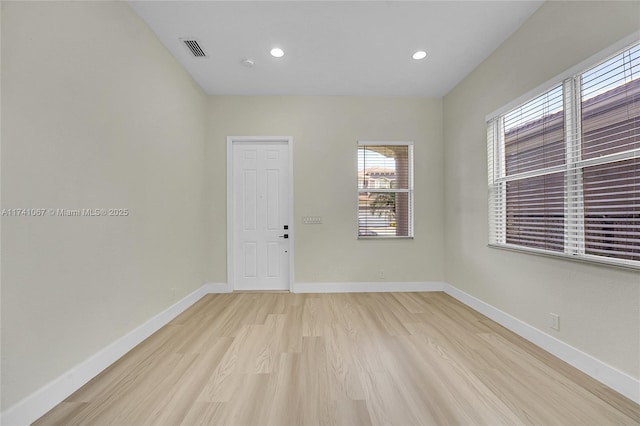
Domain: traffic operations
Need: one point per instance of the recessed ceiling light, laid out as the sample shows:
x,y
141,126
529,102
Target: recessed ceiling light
x,y
420,54
276,52
247,62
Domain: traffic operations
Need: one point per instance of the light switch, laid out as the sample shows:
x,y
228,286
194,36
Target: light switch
x,y
311,220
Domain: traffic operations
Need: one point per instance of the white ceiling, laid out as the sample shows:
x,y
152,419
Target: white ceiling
x,y
334,47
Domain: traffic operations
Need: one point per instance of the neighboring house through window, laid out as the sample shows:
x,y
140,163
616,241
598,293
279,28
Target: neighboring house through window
x,y
385,189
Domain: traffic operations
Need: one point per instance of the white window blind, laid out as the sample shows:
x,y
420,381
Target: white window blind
x,y
564,167
610,115
385,189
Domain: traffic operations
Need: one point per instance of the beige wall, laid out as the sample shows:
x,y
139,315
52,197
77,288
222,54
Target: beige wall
x,y
96,113
599,307
325,132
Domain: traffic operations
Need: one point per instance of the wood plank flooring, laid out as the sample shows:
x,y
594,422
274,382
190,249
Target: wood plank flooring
x,y
339,359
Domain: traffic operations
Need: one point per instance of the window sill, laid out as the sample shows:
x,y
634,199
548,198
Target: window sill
x,y
590,259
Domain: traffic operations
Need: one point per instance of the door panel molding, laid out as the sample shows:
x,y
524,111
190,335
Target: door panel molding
x,y
231,140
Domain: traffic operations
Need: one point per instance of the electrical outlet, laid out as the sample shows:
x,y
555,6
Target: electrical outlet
x,y
554,321
173,291
381,274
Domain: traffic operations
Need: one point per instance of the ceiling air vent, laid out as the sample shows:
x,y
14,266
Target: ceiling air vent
x,y
194,47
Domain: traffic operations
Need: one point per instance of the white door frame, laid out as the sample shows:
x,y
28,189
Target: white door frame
x,y
230,252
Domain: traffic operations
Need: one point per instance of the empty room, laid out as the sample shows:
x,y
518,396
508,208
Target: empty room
x,y
320,212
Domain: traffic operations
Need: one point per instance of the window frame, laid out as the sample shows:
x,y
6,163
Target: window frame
x,y
410,190
573,234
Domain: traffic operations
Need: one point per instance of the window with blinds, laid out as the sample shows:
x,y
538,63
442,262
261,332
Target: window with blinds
x,y
385,189
534,153
564,167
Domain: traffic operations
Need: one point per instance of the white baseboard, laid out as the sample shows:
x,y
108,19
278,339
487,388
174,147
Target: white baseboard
x,y
44,399
368,287
604,373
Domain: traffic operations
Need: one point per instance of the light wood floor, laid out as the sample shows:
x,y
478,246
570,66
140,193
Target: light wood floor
x,y
339,359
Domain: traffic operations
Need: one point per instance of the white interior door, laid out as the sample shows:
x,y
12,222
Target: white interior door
x,y
260,222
